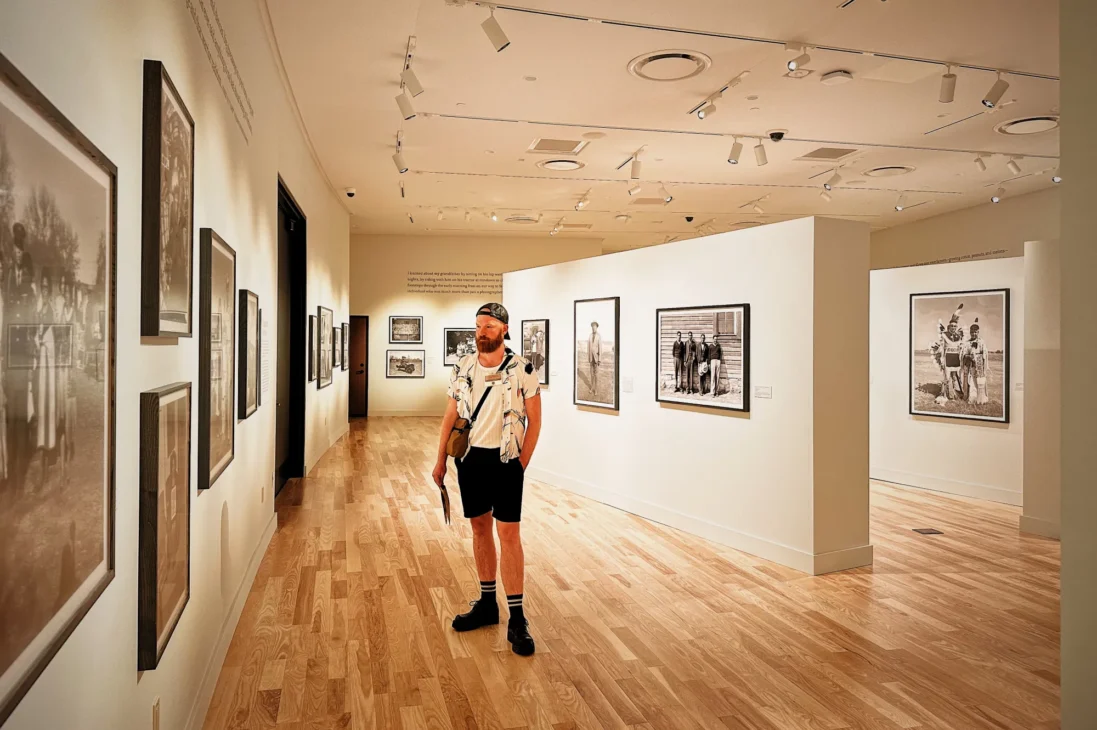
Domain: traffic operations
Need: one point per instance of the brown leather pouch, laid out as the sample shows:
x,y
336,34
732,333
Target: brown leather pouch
x,y
458,444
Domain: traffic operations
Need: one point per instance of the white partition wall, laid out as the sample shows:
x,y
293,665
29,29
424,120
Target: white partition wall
x,y
787,481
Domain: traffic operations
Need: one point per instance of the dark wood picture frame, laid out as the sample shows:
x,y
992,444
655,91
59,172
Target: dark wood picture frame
x,y
149,647
325,320
616,355
155,78
548,347
314,349
336,348
346,345
106,374
243,409
745,408
1006,345
445,342
392,320
411,375
207,239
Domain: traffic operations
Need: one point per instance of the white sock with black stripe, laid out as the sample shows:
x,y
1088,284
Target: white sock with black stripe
x,y
514,603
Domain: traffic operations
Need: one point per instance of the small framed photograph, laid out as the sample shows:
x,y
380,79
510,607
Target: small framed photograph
x,y
598,353
405,363
458,343
337,348
313,348
249,353
163,558
216,342
535,346
406,330
346,345
324,317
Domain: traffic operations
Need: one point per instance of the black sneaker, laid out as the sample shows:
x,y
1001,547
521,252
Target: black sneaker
x,y
521,642
482,614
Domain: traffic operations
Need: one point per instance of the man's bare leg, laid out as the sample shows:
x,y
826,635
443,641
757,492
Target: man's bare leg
x,y
483,547
513,564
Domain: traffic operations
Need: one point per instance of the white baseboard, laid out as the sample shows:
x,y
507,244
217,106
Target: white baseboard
x,y
752,544
433,412
948,486
198,710
1036,526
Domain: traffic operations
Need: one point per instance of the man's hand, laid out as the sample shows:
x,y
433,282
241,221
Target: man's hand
x,y
440,473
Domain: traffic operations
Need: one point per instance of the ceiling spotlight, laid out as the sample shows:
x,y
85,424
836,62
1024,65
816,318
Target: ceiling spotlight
x,y
406,108
757,209
1013,167
440,214
494,218
833,181
1056,177
706,111
998,195
411,82
980,163
901,202
583,203
635,189
825,196
636,167
760,154
495,32
468,216
798,62
995,94
736,150
667,197
948,86
398,159
553,232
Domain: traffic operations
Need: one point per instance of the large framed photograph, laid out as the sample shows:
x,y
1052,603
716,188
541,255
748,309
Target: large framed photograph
x,y
405,363
216,357
337,348
346,345
535,347
458,343
167,208
702,356
959,355
324,319
597,353
163,551
58,212
314,349
249,353
406,330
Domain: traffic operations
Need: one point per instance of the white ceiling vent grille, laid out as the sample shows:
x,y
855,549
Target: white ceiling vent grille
x,y
544,146
576,227
826,154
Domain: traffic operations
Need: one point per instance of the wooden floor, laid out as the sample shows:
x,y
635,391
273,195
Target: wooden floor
x,y
637,625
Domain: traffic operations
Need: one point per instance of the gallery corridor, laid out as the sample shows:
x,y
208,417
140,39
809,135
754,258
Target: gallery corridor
x,y
637,624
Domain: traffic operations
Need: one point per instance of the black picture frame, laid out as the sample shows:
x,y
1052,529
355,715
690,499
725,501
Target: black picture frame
x,y
248,375
616,406
103,358
445,343
151,641
745,338
212,328
314,346
401,340
409,374
156,78
336,348
324,364
1006,355
548,347
346,345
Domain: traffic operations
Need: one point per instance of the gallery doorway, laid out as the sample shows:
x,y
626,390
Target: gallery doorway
x,y
358,400
289,443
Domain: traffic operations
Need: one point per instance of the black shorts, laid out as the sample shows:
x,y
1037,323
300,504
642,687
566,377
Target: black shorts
x,y
489,485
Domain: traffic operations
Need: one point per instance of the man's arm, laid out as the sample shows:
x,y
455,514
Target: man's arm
x,y
533,429
447,426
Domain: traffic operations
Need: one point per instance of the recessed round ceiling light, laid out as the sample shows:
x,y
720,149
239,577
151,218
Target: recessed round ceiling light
x,y
889,171
523,220
593,135
560,165
752,97
672,65
1028,125
530,78
798,73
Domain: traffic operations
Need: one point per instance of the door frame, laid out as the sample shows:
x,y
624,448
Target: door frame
x,y
298,284
365,413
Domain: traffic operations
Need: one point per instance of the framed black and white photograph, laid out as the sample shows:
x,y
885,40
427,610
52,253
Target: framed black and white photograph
x,y
405,363
959,355
249,353
324,319
458,343
535,346
346,345
58,255
406,330
167,208
702,356
217,336
314,348
337,348
163,548
597,353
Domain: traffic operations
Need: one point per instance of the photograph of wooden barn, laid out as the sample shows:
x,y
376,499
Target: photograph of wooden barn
x,y
702,356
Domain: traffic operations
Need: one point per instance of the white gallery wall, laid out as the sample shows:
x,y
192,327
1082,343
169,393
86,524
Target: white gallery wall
x,y
972,458
788,481
86,58
379,270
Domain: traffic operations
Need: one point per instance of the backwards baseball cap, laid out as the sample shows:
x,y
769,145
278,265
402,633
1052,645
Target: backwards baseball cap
x,y
498,311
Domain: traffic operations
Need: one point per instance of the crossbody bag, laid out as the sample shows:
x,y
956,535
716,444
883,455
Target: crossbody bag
x,y
458,443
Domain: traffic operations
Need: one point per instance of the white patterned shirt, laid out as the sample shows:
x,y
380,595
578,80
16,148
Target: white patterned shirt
x,y
519,382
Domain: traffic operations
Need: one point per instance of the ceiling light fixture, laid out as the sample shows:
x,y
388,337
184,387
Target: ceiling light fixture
x,y
998,195
736,150
980,163
1013,167
833,181
406,108
398,158
760,154
825,196
634,190
995,94
622,218
1056,177
948,86
583,202
468,216
553,231
667,197
706,111
494,218
637,166
757,209
801,60
411,82
495,32
901,202
708,106
440,214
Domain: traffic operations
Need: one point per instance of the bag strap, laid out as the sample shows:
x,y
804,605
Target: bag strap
x,y
487,391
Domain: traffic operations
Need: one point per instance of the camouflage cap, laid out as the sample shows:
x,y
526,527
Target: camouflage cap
x,y
498,311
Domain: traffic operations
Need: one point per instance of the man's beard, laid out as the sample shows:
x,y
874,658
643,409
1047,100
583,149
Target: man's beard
x,y
486,345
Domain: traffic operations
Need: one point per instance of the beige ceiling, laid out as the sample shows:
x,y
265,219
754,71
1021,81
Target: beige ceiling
x,y
566,78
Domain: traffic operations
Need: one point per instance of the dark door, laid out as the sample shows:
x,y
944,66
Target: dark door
x,y
359,366
289,444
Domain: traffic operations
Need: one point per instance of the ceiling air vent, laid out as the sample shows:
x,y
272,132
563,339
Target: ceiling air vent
x,y
558,165
522,220
545,146
826,154
648,201
888,171
673,65
576,227
1028,125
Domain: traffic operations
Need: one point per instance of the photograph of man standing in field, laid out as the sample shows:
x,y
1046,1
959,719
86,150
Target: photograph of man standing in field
x,y
596,323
